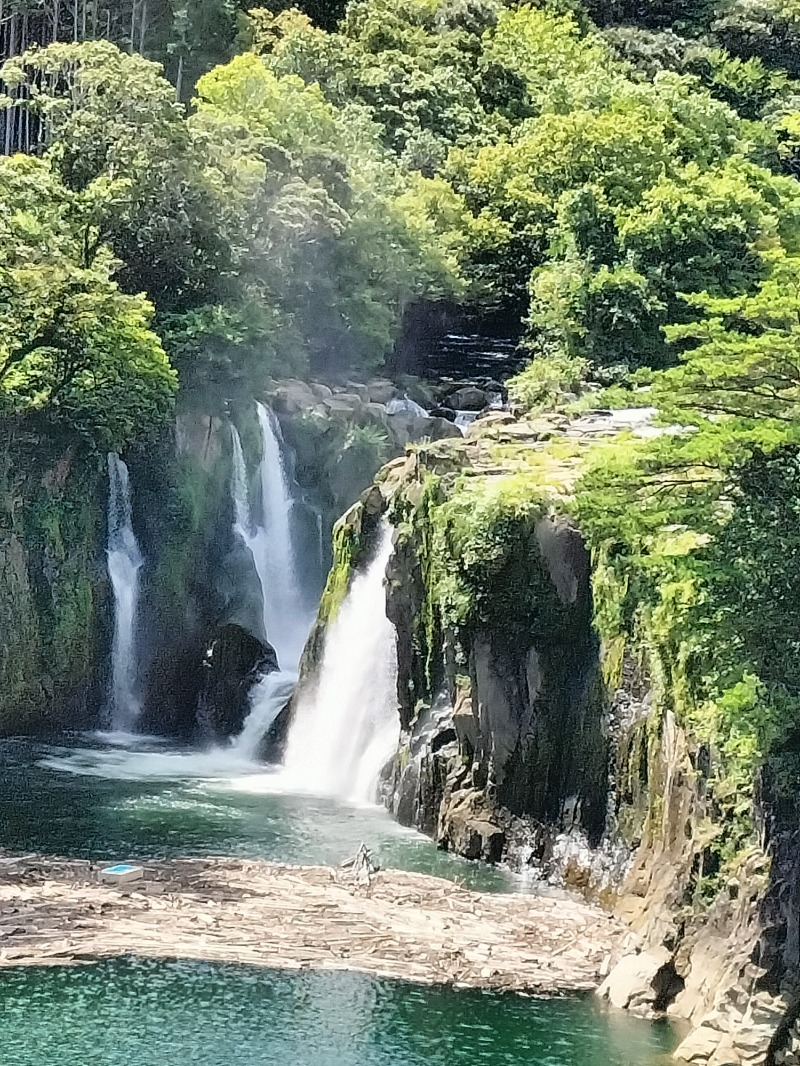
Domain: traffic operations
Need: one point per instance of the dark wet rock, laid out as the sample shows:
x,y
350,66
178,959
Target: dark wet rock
x,y
443,412
233,662
409,430
468,398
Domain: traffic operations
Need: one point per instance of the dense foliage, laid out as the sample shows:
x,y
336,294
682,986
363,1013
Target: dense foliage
x,y
216,193
353,161
695,533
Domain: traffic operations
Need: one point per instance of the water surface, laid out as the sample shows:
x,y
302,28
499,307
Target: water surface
x,y
146,1013
86,798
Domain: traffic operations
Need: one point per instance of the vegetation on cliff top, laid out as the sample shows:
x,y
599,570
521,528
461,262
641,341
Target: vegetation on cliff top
x,y
696,539
334,173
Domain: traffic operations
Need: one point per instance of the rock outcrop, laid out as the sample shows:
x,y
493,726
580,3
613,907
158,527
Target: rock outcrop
x,y
535,732
234,661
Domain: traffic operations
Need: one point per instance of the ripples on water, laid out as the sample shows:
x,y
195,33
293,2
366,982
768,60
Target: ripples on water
x,y
143,1013
116,797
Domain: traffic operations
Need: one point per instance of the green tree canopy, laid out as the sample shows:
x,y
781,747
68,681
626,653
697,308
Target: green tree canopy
x,y
72,346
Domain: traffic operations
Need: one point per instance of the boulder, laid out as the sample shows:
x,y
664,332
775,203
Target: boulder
x,y
293,396
381,391
344,403
634,982
233,662
443,412
468,398
356,388
407,429
467,827
702,1044
321,392
493,417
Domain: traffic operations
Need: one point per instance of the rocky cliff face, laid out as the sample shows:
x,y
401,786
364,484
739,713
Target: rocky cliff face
x,y
198,583
52,596
498,669
537,731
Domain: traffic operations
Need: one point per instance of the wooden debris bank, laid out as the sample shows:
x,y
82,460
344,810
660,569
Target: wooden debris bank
x,y
411,927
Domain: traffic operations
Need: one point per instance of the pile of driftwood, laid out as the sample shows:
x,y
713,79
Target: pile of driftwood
x,y
387,923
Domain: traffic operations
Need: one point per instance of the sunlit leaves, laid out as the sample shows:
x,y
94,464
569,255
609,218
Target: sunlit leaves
x,y
72,346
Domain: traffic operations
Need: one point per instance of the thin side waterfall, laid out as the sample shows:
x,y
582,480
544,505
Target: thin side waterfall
x,y
346,727
124,563
266,530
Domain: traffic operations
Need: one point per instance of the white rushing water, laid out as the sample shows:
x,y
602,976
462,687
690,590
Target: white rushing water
x,y
267,700
266,530
124,563
346,727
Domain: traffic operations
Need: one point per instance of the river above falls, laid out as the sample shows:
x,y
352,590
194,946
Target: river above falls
x,y
83,797
155,1013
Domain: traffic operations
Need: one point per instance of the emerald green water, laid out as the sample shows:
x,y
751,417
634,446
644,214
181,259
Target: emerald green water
x,y
87,799
175,1014
90,799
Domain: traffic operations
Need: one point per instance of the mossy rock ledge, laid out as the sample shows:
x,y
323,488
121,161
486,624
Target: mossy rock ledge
x,y
538,732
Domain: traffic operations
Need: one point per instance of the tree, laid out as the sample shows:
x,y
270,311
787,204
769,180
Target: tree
x,y
72,346
113,132
328,230
766,29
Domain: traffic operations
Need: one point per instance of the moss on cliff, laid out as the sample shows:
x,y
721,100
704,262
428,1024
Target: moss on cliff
x,y
52,517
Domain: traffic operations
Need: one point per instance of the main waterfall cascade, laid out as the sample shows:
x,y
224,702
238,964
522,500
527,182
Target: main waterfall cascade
x,y
286,617
124,563
346,725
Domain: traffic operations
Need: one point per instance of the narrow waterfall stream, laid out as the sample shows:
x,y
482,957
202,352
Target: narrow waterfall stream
x,y
269,539
265,527
124,563
346,726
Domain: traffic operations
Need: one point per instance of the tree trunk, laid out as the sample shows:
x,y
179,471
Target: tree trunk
x,y
143,27
11,112
179,80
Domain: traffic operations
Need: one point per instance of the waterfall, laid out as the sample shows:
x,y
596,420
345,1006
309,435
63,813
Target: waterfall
x,y
269,540
346,727
265,527
239,493
124,562
269,697
285,620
